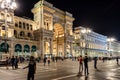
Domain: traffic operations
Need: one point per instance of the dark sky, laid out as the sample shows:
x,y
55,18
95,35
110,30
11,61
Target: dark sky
x,y
102,16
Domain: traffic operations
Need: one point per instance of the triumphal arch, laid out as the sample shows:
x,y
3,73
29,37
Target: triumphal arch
x,y
54,30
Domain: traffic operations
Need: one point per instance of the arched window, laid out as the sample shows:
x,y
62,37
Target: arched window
x,y
29,35
22,34
16,24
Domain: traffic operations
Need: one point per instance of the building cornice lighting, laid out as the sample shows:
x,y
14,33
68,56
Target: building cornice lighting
x,y
110,39
86,30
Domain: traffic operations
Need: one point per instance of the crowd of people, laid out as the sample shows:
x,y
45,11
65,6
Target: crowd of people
x,y
83,63
13,62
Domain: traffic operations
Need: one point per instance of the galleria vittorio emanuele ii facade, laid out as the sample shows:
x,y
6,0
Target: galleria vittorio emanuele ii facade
x,y
50,33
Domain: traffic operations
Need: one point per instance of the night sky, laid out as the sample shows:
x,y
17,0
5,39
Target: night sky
x,y
102,16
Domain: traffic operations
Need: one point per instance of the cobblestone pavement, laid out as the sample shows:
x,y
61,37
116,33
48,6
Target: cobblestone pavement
x,y
64,70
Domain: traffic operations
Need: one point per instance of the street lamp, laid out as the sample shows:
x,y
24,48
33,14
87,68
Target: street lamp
x,y
7,5
110,40
85,32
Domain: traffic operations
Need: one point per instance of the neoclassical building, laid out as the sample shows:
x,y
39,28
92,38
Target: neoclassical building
x,y
50,33
92,43
113,48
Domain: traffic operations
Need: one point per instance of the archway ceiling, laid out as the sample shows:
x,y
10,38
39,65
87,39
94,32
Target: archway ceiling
x,y
58,29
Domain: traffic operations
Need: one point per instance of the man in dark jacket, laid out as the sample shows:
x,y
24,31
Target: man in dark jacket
x,y
95,62
31,68
12,62
86,65
16,62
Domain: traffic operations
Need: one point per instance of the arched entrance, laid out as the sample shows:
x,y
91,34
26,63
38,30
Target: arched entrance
x,y
26,48
18,49
58,40
26,51
4,47
33,48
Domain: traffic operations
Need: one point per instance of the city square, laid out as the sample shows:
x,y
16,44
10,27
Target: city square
x,y
52,36
65,70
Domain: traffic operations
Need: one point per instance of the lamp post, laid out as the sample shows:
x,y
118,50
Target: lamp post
x,y
85,33
7,5
110,40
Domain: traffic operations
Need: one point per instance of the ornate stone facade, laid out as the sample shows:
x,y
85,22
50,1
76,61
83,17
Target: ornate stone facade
x,y
50,33
93,44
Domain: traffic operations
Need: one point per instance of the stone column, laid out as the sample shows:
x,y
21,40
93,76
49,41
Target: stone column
x,y
65,38
23,50
51,46
64,47
11,48
71,48
42,47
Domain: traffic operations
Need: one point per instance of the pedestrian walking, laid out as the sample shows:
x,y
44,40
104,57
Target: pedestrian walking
x,y
31,68
7,63
13,62
117,59
95,62
48,59
44,60
80,59
56,58
103,59
16,62
86,72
